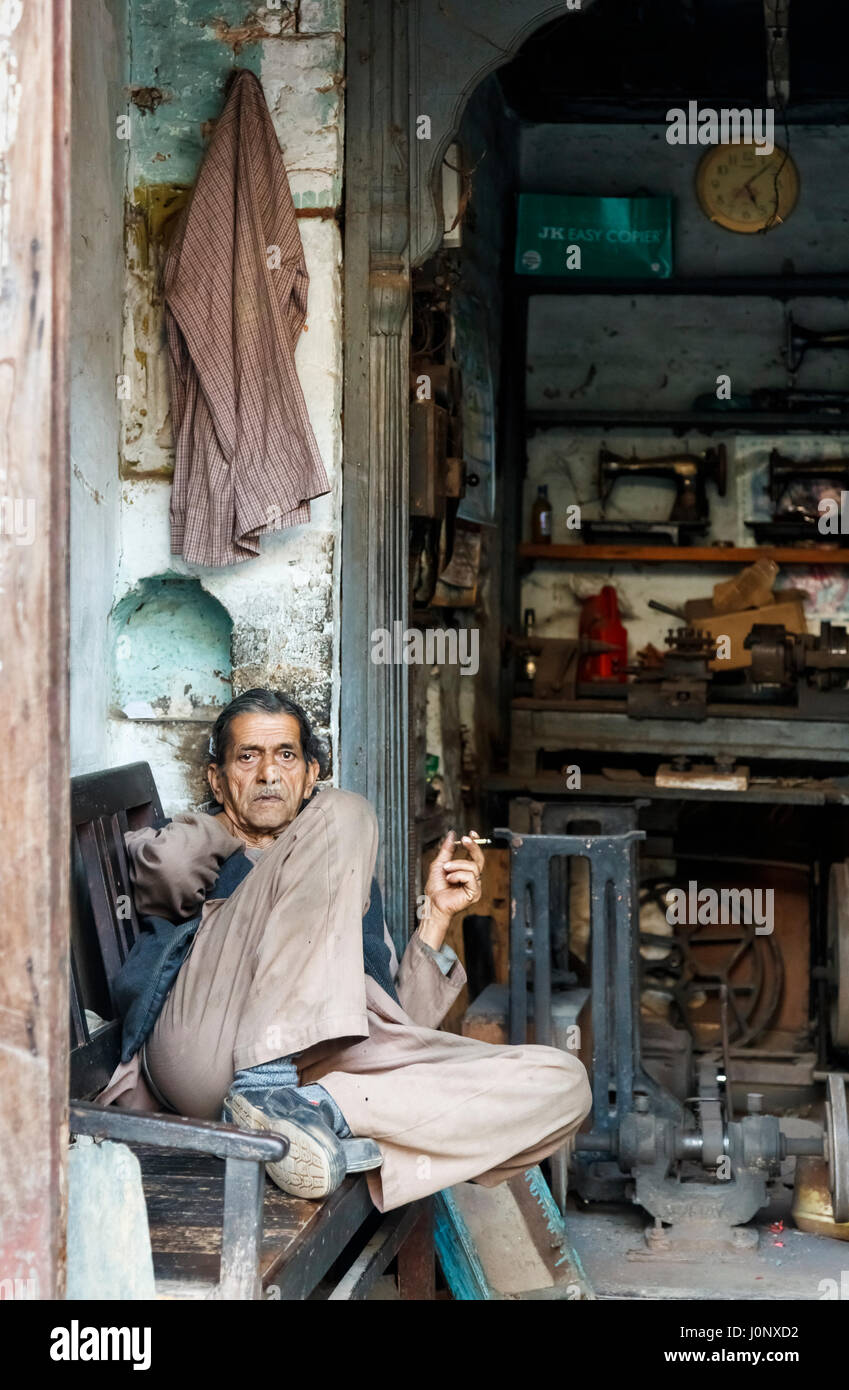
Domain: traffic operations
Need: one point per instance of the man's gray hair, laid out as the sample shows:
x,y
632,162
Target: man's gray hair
x,y
261,701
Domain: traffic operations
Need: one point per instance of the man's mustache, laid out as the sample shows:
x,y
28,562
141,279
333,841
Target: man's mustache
x,y
274,794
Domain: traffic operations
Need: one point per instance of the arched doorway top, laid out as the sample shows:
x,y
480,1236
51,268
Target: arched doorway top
x,y
454,45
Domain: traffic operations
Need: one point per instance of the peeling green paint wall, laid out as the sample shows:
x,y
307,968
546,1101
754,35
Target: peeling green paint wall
x,y
284,605
179,52
171,651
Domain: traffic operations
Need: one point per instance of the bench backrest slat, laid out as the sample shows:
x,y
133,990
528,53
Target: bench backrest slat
x,y
104,805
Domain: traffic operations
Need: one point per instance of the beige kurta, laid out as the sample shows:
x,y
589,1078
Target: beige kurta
x,y
277,969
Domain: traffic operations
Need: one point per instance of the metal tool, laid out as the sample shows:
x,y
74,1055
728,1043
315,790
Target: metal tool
x,y
689,472
665,608
539,920
550,664
807,670
699,962
838,953
777,400
690,1165
799,341
678,687
790,399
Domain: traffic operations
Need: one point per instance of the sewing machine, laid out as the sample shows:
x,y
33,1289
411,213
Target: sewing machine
x,y
795,519
690,514
800,340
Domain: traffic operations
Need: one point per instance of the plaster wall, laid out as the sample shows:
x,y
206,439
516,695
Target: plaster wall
x,y
640,352
283,605
98,160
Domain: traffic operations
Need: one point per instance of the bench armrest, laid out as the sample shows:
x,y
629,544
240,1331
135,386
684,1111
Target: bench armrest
x,y
244,1153
174,1132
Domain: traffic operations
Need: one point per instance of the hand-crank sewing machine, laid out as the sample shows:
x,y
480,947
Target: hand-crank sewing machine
x,y
794,487
677,1149
690,514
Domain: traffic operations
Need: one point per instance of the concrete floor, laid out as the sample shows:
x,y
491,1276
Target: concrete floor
x,y
788,1265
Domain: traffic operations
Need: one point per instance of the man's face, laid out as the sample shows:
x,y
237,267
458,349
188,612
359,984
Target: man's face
x,y
264,778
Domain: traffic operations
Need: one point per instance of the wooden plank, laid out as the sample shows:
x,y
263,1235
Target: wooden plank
x,y
362,1275
457,1252
295,1271
101,899
34,242
241,1229
686,554
300,1240
417,1258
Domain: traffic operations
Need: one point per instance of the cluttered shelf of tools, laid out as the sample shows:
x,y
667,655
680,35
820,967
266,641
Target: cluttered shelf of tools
x,y
579,553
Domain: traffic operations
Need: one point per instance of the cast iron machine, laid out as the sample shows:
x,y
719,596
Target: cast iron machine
x,y
794,487
800,340
690,514
678,687
700,1173
812,670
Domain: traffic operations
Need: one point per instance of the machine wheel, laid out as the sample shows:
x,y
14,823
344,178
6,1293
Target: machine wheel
x,y
751,967
838,953
837,1146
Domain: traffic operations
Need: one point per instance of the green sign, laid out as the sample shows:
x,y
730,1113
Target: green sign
x,y
594,237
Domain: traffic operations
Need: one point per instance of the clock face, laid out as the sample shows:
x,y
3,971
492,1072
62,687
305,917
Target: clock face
x,y
746,191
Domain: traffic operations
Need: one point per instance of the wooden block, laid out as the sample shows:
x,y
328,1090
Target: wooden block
x,y
702,777
454,478
428,443
486,1017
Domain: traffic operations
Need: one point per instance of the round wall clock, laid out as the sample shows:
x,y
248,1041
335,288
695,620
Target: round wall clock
x,y
746,191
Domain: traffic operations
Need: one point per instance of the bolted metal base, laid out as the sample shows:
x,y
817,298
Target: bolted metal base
x,y
692,1240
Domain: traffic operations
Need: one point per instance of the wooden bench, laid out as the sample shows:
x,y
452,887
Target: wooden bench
x,y
218,1229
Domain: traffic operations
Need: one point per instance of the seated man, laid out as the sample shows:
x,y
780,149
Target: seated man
x,y
290,1010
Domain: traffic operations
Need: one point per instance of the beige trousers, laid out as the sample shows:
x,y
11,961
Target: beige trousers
x,y
277,970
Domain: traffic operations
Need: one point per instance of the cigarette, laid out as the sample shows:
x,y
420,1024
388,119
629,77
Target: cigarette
x,y
479,841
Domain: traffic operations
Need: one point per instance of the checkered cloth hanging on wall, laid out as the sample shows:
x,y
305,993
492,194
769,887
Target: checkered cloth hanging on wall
x,y
235,286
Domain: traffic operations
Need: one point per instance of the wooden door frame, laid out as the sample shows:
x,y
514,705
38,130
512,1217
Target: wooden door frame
x,y
405,58
34,810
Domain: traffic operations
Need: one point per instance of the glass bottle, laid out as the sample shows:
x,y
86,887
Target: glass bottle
x,y
541,518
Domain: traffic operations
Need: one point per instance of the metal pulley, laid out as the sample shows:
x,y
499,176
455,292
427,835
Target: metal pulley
x,y
837,1146
838,953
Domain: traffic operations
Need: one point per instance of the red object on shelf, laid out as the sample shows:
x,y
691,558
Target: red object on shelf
x,y
600,620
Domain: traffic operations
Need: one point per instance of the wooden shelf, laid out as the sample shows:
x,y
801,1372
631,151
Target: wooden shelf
x,y
685,554
773,286
813,792
689,421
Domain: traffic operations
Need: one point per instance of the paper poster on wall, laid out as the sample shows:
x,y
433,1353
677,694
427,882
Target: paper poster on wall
x,y
471,345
